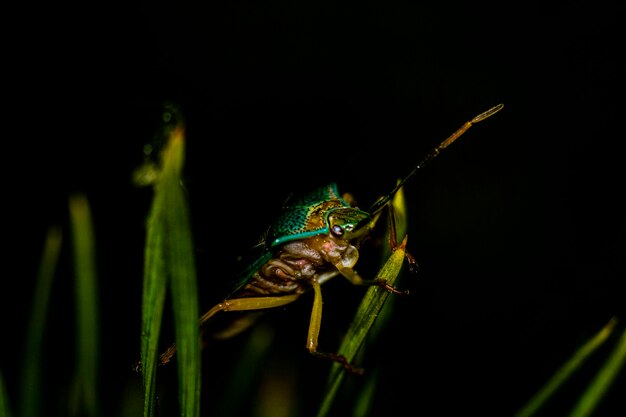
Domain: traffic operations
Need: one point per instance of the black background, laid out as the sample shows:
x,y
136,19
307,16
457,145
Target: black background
x,y
518,228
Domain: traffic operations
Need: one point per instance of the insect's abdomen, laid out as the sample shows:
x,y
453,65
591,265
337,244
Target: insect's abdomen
x,y
293,266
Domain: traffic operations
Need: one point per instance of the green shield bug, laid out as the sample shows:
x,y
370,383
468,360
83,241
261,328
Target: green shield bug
x,y
314,239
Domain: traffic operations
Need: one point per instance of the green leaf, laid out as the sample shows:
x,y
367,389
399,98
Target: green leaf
x,y
87,340
30,397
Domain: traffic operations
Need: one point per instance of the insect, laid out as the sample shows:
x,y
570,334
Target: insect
x,y
316,238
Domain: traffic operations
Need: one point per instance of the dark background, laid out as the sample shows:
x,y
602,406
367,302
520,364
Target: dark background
x,y
518,228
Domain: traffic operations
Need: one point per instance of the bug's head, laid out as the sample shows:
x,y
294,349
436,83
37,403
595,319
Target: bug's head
x,y
348,223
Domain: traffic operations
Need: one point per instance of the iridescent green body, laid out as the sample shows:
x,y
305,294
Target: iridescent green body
x,y
324,220
309,215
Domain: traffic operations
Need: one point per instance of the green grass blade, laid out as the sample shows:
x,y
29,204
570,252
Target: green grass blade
x,y
30,401
368,310
239,384
5,407
169,259
400,219
368,392
601,383
153,299
86,399
181,265
563,373
366,397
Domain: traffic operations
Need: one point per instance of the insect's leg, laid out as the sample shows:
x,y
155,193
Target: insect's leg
x,y
314,331
249,303
235,304
392,227
352,276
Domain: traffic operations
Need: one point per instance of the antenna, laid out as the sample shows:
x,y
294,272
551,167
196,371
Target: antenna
x,y
380,203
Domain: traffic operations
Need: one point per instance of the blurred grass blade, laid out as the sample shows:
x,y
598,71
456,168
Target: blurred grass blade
x,y
85,399
30,401
366,396
368,310
239,386
562,374
5,407
181,265
601,383
169,258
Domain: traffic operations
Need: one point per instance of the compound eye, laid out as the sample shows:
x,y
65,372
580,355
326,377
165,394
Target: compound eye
x,y
337,230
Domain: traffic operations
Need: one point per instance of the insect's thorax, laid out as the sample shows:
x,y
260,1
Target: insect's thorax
x,y
303,221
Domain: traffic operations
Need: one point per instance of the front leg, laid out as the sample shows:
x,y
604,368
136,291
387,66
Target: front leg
x,y
344,256
356,279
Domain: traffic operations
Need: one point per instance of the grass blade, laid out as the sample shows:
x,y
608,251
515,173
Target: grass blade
x,y
368,310
181,265
169,259
30,401
85,399
601,383
5,407
366,396
239,385
400,220
563,373
153,299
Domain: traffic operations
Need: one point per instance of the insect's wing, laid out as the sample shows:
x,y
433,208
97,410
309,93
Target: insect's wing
x,y
305,215
325,193
252,262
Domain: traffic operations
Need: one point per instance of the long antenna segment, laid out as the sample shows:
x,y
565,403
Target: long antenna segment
x,y
380,203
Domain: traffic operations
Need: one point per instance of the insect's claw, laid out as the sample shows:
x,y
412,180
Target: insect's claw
x,y
413,266
354,370
385,285
166,356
